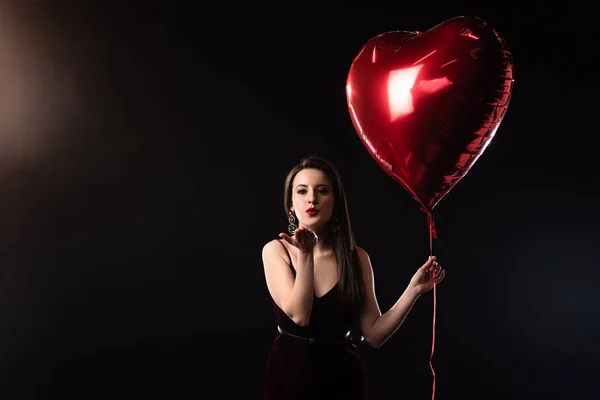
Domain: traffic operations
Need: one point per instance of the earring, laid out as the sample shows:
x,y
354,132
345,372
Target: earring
x,y
292,226
334,225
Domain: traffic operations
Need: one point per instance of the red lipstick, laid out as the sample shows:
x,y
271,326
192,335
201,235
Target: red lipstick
x,y
312,212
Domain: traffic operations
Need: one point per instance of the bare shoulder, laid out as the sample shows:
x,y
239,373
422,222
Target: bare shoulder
x,y
362,254
274,248
271,245
365,260
278,274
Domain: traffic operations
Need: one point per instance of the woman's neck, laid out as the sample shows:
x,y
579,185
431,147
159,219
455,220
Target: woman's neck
x,y
325,243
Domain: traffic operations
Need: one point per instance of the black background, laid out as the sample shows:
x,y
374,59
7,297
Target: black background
x,y
143,149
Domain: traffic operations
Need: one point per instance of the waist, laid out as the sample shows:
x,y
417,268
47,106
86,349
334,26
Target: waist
x,y
315,341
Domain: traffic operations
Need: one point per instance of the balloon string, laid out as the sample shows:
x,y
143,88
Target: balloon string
x,y
432,235
432,231
433,338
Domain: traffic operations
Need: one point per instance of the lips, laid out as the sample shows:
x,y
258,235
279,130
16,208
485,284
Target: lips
x,y
312,211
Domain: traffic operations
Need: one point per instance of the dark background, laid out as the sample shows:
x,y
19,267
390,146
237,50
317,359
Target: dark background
x,y
143,149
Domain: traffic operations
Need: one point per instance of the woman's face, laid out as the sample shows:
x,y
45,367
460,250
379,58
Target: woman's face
x,y
312,198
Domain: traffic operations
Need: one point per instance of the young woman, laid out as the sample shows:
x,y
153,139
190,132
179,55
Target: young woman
x,y
320,283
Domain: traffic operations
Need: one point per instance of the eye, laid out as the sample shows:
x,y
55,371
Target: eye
x,y
323,191
301,191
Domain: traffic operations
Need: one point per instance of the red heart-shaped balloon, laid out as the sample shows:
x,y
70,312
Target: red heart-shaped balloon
x,y
426,105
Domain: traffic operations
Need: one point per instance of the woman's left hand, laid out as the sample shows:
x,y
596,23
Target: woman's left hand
x,y
422,281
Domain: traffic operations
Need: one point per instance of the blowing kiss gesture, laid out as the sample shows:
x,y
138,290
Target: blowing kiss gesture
x,y
304,239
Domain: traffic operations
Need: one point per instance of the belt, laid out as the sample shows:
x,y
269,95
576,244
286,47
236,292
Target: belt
x,y
313,341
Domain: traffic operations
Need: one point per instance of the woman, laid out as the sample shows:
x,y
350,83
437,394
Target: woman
x,y
320,283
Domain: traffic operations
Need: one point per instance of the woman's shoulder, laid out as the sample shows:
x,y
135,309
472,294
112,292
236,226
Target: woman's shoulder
x,y
275,246
361,251
363,256
365,263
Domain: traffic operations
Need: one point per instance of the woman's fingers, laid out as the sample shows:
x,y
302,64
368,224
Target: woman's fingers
x,y
440,276
286,237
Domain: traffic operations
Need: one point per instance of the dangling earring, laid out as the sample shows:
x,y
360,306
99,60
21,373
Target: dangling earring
x,y
334,225
292,226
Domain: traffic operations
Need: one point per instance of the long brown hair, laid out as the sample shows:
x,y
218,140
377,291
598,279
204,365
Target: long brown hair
x,y
351,282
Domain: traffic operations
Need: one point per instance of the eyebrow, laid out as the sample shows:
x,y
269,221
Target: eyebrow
x,y
322,184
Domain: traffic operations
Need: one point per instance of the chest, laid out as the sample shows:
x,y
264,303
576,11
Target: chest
x,y
326,274
326,271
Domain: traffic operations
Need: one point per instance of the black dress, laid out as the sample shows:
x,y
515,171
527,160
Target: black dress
x,y
297,369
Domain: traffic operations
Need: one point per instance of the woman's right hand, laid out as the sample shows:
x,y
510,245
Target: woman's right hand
x,y
304,239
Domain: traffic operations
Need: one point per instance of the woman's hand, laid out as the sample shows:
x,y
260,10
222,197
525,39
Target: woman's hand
x,y
304,239
422,281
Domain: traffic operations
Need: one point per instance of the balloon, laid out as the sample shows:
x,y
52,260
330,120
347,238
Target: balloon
x,y
427,105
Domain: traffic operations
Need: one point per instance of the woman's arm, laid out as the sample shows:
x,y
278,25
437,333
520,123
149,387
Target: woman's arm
x,y
377,328
299,304
292,296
